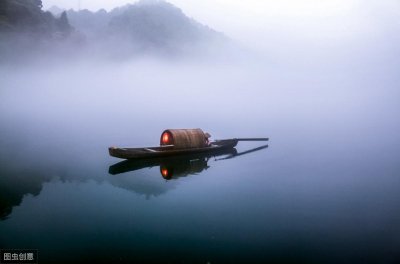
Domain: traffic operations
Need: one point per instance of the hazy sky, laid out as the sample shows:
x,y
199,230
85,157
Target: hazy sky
x,y
292,7
252,21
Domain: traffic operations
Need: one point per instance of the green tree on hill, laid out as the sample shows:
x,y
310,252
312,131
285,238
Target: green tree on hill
x,y
63,24
38,3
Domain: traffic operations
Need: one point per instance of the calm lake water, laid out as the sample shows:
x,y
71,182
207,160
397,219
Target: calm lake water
x,y
326,190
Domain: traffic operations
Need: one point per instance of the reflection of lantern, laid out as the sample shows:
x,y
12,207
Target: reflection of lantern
x,y
182,167
185,138
165,173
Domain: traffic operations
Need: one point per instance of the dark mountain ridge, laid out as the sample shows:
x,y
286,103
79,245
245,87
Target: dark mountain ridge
x,y
27,17
148,27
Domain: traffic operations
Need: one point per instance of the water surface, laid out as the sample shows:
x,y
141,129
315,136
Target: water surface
x,y
325,190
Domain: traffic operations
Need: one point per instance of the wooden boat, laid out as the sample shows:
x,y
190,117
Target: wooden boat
x,y
175,142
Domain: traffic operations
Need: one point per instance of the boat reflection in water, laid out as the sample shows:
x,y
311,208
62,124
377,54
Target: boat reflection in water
x,y
178,166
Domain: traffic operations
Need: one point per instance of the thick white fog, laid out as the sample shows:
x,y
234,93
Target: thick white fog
x,y
287,71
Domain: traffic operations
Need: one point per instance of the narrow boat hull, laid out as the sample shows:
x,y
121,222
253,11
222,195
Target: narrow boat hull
x,y
168,151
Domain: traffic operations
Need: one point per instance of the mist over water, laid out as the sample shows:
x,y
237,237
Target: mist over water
x,y
325,190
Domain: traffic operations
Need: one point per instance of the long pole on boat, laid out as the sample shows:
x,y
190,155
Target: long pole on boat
x,y
242,139
252,139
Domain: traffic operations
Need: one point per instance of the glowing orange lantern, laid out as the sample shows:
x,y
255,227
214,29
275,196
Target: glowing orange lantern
x,y
166,138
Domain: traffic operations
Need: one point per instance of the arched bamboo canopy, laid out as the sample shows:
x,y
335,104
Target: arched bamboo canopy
x,y
184,138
